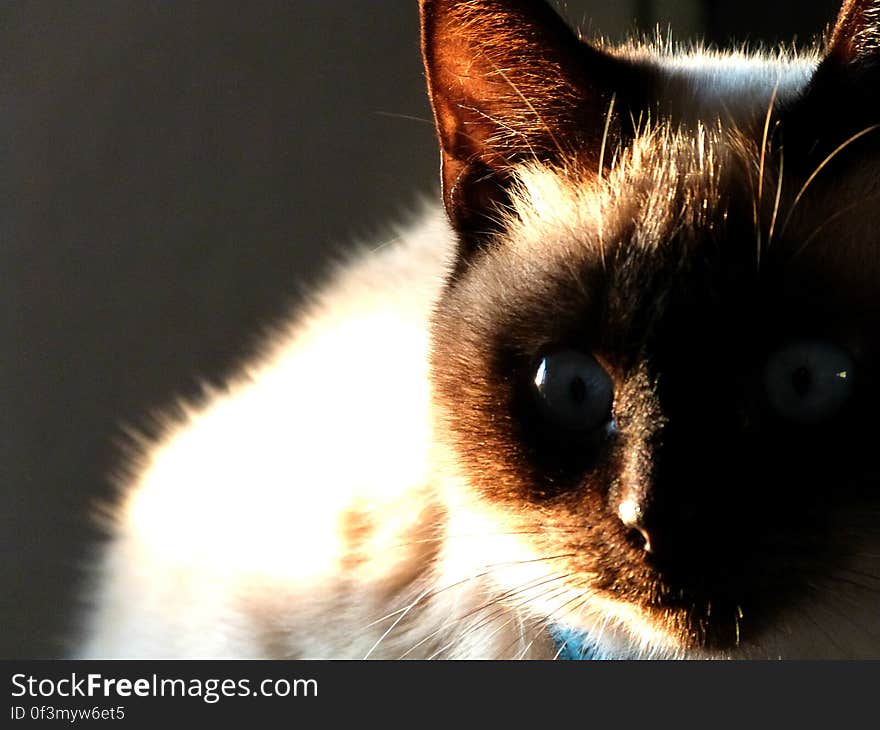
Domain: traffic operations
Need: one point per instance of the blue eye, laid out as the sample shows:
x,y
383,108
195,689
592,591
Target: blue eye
x,y
809,381
574,391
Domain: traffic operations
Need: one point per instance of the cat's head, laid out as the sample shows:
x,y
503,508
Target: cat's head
x,y
656,359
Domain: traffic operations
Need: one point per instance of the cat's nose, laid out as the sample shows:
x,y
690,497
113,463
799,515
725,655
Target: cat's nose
x,y
631,514
663,526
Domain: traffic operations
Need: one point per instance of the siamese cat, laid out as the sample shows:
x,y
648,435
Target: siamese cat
x,y
616,397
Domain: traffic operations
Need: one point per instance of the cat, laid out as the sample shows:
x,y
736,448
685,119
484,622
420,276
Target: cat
x,y
613,399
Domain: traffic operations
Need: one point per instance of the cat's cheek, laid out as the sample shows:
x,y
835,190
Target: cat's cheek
x,y
534,560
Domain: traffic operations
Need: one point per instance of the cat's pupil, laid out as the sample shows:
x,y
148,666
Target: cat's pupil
x,y
809,381
574,391
801,381
578,390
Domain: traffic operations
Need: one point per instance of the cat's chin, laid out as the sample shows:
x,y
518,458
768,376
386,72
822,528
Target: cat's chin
x,y
615,629
811,630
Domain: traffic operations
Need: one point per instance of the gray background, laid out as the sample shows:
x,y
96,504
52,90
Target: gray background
x,y
170,174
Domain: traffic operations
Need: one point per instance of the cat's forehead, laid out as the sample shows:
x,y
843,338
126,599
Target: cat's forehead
x,y
706,184
656,199
699,218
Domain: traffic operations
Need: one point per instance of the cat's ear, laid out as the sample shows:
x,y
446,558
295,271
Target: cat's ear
x,y
843,97
509,81
855,36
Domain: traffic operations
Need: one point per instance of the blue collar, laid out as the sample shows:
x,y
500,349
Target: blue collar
x,y
572,644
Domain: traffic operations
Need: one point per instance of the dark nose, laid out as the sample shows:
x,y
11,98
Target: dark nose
x,y
631,512
661,528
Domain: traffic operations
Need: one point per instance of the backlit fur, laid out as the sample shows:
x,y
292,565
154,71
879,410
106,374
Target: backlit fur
x,y
375,486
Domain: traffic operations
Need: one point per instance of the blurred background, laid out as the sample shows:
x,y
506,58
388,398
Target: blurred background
x,y
171,174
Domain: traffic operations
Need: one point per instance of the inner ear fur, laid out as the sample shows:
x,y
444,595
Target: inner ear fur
x,y
842,99
855,36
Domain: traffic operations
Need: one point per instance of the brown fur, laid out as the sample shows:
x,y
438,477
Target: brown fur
x,y
692,272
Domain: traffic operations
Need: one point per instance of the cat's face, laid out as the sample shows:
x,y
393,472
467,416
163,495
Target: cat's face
x,y
657,358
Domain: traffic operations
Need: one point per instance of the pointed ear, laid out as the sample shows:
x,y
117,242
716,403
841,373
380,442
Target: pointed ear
x,y
843,97
855,37
509,81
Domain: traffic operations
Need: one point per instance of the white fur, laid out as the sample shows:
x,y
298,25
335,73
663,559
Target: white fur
x,y
306,511
228,542
703,84
234,536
